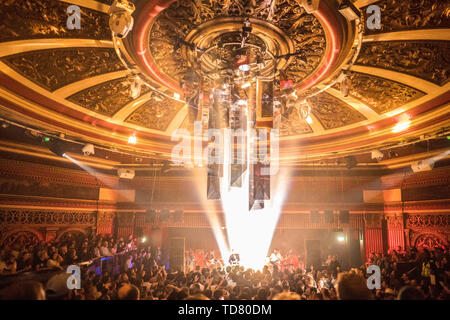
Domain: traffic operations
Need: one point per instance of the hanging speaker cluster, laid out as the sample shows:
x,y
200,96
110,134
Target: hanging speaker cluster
x,y
329,216
314,216
163,215
344,216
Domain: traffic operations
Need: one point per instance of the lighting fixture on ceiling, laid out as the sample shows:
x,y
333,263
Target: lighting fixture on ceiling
x,y
120,18
377,154
392,154
88,149
350,162
57,148
344,84
136,87
132,139
310,6
349,11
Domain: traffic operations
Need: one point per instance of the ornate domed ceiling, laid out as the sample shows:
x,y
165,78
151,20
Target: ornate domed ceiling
x,y
73,81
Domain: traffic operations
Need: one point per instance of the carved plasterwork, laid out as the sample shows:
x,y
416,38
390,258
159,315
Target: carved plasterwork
x,y
427,221
157,113
106,98
429,241
406,15
294,125
395,222
55,68
182,17
382,95
22,238
429,60
31,19
22,217
332,112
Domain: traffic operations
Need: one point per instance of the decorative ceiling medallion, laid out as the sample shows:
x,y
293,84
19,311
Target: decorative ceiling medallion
x,y
56,68
381,95
25,19
429,60
285,29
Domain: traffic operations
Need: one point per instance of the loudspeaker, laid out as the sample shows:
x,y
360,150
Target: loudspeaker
x,y
150,216
314,216
344,216
313,253
329,216
164,215
178,216
176,253
139,232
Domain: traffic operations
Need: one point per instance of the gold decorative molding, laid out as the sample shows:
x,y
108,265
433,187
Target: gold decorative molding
x,y
411,81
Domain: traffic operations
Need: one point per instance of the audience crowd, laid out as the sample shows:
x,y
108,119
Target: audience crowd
x,y
142,274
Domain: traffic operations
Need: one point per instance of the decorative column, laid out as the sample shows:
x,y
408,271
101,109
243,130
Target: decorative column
x,y
373,233
396,236
105,222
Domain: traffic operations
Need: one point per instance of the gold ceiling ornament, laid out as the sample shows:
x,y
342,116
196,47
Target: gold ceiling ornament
x,y
204,23
107,97
333,112
401,15
55,68
429,60
47,19
381,95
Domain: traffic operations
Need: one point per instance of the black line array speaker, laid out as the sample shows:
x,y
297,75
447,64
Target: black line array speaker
x,y
178,216
176,253
329,216
314,216
150,216
164,215
344,216
313,253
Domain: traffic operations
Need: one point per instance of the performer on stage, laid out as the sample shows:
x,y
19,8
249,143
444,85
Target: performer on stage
x,y
275,258
234,258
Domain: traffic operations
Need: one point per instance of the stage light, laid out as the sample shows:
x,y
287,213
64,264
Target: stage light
x,y
392,154
47,139
377,154
144,239
57,149
246,85
120,18
402,125
132,139
244,67
350,162
88,149
136,87
309,120
177,96
349,11
341,238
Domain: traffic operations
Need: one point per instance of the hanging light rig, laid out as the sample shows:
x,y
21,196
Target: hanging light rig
x,y
236,97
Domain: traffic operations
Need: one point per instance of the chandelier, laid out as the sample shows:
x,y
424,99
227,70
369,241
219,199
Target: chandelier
x,y
235,82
